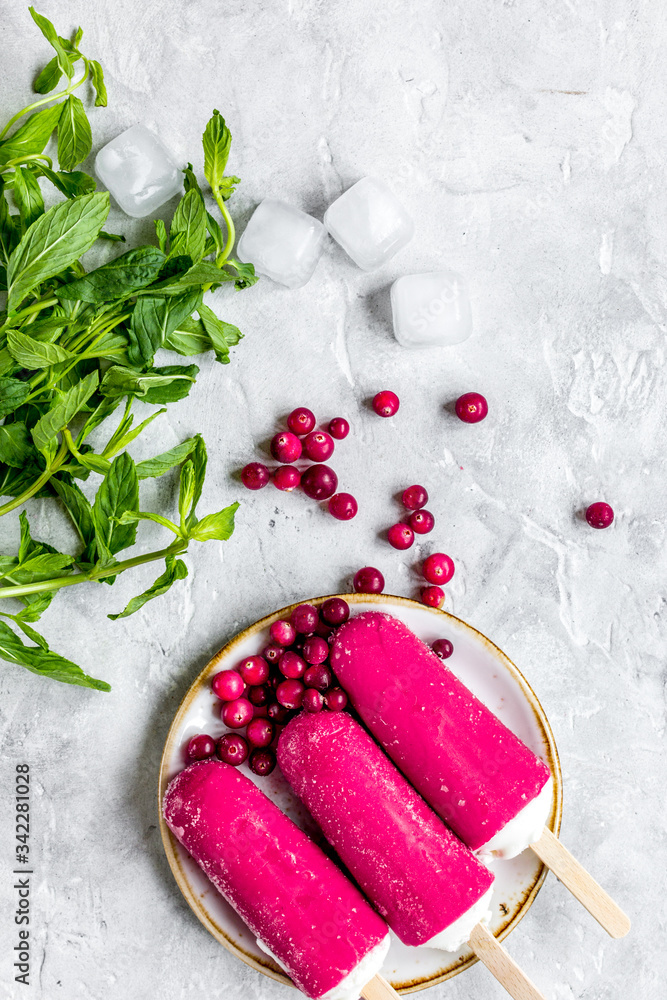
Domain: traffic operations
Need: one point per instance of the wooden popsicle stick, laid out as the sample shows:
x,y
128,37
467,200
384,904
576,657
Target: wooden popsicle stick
x,y
582,885
379,989
498,962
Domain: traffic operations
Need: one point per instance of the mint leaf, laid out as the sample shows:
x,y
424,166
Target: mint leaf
x,y
53,39
121,381
28,196
31,353
9,233
217,141
97,80
161,233
16,447
222,335
118,279
151,468
53,421
118,492
49,77
48,664
32,136
218,526
190,220
81,513
75,140
153,319
175,570
190,338
13,393
53,242
245,273
71,184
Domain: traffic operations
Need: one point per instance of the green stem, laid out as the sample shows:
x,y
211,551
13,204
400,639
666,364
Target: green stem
x,y
69,581
38,483
45,100
35,307
231,231
20,160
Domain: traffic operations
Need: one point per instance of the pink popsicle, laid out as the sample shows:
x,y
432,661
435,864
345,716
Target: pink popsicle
x,y
294,899
472,769
419,876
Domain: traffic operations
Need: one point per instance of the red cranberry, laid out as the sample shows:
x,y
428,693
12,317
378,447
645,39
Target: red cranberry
x,y
335,699
368,581
386,403
286,447
232,748
254,670
414,497
433,597
277,713
304,618
287,478
272,652
401,536
301,421
317,677
339,428
343,506
443,648
228,685
260,732
318,446
599,515
290,693
254,476
315,650
262,761
438,568
421,521
199,748
335,611
291,665
323,630
260,695
237,714
471,407
282,632
319,482
313,701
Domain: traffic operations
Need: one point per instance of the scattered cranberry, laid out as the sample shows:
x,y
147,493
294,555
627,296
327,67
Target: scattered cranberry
x,y
282,632
323,630
599,515
262,761
228,685
237,714
200,748
317,677
471,407
287,478
336,699
290,693
286,447
254,476
304,618
301,421
313,701
260,695
277,713
335,611
386,403
315,650
443,648
292,665
401,536
433,597
318,446
421,521
339,428
438,568
272,653
343,506
414,497
319,482
260,732
232,749
368,581
276,679
254,670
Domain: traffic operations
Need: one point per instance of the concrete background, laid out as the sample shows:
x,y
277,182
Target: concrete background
x,y
527,140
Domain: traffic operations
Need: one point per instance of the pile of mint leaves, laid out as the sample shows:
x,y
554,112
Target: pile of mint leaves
x,y
76,346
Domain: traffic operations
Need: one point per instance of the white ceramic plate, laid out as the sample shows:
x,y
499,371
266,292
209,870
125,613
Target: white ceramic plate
x,y
484,669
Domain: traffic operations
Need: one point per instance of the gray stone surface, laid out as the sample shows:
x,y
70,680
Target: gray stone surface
x,y
527,140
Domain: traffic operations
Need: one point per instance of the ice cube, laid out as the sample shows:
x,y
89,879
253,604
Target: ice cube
x,y
369,222
431,310
139,171
282,242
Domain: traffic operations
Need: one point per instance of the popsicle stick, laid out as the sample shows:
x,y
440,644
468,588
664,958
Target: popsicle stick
x,y
379,989
498,962
582,885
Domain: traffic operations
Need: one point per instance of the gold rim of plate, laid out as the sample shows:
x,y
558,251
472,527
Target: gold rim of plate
x,y
170,843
